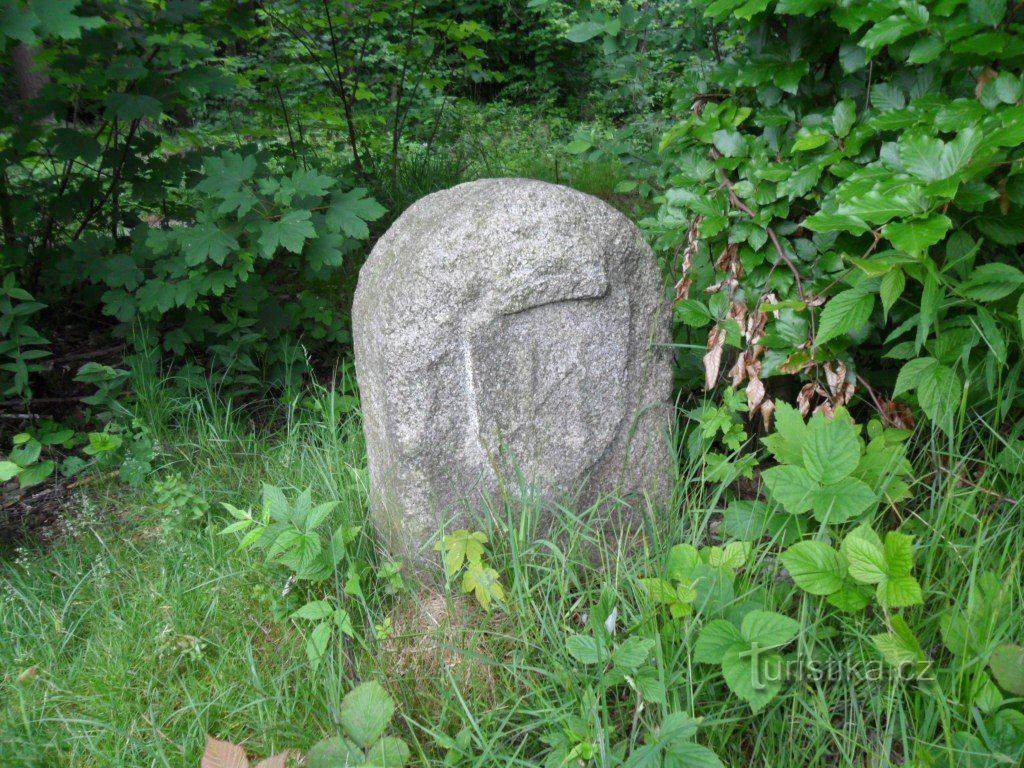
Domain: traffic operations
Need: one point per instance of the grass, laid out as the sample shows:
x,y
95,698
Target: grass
x,y
139,629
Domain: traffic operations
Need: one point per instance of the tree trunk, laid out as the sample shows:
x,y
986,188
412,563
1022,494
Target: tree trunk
x,y
29,78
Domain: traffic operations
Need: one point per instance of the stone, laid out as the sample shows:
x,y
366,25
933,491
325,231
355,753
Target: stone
x,y
508,331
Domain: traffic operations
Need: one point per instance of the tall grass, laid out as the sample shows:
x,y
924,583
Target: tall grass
x,y
134,635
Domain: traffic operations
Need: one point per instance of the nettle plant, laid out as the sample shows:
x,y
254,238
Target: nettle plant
x,y
612,661
304,539
849,190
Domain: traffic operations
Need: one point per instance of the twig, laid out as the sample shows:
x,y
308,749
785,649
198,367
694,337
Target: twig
x,y
737,203
983,489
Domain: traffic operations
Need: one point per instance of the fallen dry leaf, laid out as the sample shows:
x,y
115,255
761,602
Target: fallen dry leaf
x,y
223,754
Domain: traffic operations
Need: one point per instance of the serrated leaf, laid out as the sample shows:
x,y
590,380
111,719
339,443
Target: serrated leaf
x,y
714,640
768,629
349,212
815,567
991,282
1007,665
366,712
289,232
916,237
844,312
831,450
389,752
938,392
843,500
586,649
894,282
206,241
755,678
791,487
865,555
632,652
334,752
899,592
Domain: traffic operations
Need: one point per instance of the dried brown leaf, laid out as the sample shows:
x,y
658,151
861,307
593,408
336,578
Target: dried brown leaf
x,y
223,754
755,395
713,357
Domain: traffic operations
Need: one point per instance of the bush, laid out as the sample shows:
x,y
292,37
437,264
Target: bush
x,y
847,197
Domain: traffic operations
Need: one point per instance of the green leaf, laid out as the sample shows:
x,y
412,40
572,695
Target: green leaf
x,y
349,212
787,444
714,640
289,232
1007,665
815,567
988,12
991,282
865,555
584,31
910,374
316,644
850,599
926,49
206,241
810,138
846,311
366,712
35,474
334,752
894,282
484,583
317,610
586,649
842,500
899,647
899,592
58,19
459,547
682,560
843,117
938,392
922,156
768,629
389,752
8,469
632,652
729,143
132,106
899,553
792,487
755,678
832,449
887,97
27,453
916,237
